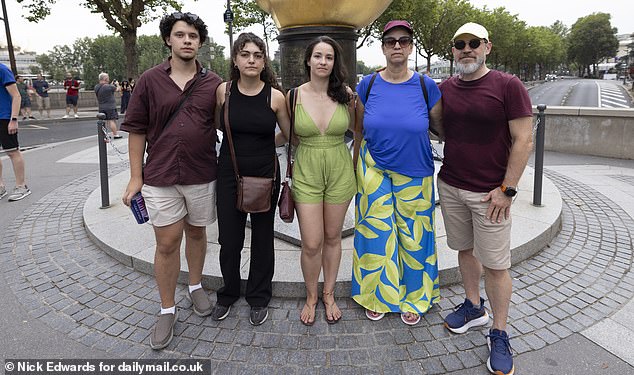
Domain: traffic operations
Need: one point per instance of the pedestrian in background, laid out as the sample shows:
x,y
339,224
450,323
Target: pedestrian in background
x,y
107,104
71,85
487,120
395,266
43,101
172,113
256,106
323,175
126,90
25,98
9,109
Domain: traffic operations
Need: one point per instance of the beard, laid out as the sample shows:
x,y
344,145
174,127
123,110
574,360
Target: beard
x,y
469,68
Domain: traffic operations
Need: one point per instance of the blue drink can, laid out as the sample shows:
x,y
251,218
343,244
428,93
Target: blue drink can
x,y
137,205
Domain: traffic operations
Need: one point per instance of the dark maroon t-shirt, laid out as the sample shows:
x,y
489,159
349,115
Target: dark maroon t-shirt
x,y
185,152
475,119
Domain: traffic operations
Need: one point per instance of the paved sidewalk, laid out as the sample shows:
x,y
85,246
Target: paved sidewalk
x,y
572,310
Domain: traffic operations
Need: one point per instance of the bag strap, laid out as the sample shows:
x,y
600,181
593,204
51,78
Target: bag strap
x,y
228,129
230,138
190,90
289,165
356,142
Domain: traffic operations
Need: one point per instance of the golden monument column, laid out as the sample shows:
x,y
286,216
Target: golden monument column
x,y
300,21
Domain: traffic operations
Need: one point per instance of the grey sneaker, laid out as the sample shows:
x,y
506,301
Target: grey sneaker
x,y
200,302
3,191
19,193
258,315
163,331
220,312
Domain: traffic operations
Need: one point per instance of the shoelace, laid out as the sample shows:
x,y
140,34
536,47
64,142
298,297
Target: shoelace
x,y
500,344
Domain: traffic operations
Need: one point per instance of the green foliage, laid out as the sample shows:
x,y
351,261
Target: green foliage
x,y
247,13
105,54
124,17
152,51
592,39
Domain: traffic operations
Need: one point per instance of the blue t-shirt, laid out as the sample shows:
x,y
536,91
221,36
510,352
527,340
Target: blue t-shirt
x,y
395,124
39,87
6,79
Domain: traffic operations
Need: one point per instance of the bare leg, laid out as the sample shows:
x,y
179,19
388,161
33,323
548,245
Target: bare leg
x,y
499,287
113,127
471,271
310,217
18,167
195,251
167,260
334,215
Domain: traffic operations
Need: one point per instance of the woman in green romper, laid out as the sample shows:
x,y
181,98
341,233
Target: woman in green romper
x,y
323,175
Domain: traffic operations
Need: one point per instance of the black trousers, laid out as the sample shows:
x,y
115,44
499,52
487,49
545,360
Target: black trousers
x,y
231,226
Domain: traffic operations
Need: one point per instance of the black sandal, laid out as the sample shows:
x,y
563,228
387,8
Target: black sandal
x,y
326,306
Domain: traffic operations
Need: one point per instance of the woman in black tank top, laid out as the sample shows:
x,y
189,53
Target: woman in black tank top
x,y
256,105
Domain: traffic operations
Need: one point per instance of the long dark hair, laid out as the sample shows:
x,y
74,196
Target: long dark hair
x,y
267,75
336,82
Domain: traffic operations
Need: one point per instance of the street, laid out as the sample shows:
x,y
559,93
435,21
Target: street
x,y
581,93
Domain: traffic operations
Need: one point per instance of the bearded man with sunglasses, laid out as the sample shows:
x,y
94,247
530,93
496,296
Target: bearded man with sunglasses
x,y
487,121
172,113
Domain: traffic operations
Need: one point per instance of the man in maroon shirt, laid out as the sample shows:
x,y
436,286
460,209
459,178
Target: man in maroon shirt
x,y
71,85
172,112
487,119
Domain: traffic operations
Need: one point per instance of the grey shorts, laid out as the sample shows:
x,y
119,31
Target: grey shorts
x,y
168,204
467,227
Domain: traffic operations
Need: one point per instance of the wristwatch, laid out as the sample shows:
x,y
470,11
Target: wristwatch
x,y
509,191
14,119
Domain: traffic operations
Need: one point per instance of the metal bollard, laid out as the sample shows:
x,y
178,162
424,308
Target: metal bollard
x,y
103,160
539,155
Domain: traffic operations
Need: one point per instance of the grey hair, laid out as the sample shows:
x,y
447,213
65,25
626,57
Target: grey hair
x,y
103,76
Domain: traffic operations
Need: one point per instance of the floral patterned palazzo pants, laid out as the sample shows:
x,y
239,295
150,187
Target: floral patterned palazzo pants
x,y
395,267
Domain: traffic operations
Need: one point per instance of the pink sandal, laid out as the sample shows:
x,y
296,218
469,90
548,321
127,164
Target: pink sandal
x,y
373,315
409,321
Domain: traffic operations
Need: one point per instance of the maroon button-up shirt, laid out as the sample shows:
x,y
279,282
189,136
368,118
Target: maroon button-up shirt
x,y
184,153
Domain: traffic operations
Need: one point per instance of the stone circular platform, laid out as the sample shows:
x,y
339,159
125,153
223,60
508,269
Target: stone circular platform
x,y
116,232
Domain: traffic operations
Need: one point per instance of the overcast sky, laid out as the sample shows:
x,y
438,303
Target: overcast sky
x,y
68,21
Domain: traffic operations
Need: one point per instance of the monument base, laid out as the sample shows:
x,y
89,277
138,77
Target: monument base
x,y
293,42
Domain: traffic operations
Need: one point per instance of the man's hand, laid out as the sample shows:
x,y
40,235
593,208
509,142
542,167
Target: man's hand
x,y
500,207
13,126
134,186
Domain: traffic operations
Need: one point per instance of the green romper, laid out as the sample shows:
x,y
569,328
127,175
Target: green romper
x,y
323,170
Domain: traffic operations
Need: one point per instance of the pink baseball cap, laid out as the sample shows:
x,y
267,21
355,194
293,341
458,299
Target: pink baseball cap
x,y
397,23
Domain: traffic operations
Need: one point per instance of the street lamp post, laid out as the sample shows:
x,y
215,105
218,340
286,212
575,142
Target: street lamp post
x,y
9,42
228,17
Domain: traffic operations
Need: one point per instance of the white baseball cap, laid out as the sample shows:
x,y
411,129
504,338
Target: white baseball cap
x,y
473,29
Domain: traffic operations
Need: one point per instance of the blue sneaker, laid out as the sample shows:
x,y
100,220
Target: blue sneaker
x,y
466,316
500,360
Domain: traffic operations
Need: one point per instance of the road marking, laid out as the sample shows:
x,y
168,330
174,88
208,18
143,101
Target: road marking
x,y
39,127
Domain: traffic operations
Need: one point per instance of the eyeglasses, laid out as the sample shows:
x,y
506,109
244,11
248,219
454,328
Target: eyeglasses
x,y
473,43
181,16
403,41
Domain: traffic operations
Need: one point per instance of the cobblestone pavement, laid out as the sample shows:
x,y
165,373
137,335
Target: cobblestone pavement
x,y
67,282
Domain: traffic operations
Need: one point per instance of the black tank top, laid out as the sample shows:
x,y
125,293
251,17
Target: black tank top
x,y
253,125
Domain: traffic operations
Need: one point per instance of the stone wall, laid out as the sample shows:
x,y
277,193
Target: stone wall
x,y
603,132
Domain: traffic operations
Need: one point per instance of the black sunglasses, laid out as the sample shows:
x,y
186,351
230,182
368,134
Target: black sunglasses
x,y
181,16
403,41
473,43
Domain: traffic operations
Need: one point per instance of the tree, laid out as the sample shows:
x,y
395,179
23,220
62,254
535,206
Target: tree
x,y
434,23
152,51
124,16
592,39
248,13
105,54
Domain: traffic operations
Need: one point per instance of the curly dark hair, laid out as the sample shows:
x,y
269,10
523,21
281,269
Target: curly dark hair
x,y
267,75
337,80
168,21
